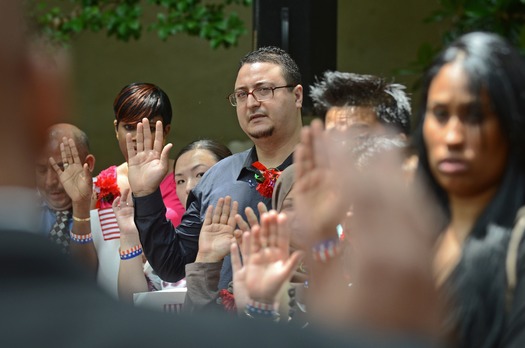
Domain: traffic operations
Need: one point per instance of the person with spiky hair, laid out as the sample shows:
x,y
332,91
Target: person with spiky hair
x,y
362,102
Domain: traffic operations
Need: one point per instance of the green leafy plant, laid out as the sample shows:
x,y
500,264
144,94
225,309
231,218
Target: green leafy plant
x,y
125,19
505,17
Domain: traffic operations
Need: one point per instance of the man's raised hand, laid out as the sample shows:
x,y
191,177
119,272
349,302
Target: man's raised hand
x,y
74,175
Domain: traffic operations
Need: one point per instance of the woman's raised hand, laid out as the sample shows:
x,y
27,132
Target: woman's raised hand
x,y
124,210
148,161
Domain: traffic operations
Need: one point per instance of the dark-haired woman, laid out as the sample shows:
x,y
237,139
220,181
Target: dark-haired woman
x,y
471,145
133,103
193,160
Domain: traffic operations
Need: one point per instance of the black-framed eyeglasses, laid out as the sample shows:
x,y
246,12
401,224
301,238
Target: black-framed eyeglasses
x,y
259,94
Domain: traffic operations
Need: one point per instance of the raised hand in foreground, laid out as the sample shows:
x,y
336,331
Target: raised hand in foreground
x,y
392,281
319,198
251,219
238,250
269,266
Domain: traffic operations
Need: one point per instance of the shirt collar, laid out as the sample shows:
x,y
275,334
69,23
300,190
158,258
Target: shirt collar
x,y
252,157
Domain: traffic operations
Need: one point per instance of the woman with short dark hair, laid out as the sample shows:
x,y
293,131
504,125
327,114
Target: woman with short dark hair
x,y
132,104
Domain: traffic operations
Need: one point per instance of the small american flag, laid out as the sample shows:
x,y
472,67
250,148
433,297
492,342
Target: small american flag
x,y
172,307
108,223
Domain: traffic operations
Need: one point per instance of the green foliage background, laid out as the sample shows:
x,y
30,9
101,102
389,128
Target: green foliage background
x,y
125,20
505,17
211,21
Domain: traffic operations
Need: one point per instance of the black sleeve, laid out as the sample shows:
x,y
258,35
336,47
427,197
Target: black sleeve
x,y
168,249
515,329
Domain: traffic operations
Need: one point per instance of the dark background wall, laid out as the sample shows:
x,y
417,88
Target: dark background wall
x,y
373,37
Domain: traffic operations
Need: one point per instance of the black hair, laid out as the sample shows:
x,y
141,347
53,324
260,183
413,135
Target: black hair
x,y
275,55
219,151
494,68
369,148
389,100
492,65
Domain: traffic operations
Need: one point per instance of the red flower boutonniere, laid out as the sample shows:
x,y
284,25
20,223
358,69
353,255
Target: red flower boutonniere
x,y
106,187
227,300
266,179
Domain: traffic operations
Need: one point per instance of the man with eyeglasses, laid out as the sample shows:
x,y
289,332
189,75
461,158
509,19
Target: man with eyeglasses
x,y
268,98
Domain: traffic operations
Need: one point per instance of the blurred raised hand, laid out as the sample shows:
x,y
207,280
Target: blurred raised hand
x,y
251,219
393,235
270,264
240,255
319,189
391,266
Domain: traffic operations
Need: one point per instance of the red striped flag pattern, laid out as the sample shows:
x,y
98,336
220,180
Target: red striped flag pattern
x,y
172,307
108,223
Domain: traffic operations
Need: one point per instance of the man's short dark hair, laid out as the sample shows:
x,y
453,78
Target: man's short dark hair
x,y
340,89
278,56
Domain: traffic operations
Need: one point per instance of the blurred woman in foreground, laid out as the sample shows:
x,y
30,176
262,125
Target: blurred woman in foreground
x,y
471,148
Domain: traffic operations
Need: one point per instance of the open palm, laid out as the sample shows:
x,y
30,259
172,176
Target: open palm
x,y
270,266
148,161
75,176
124,211
319,184
217,232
